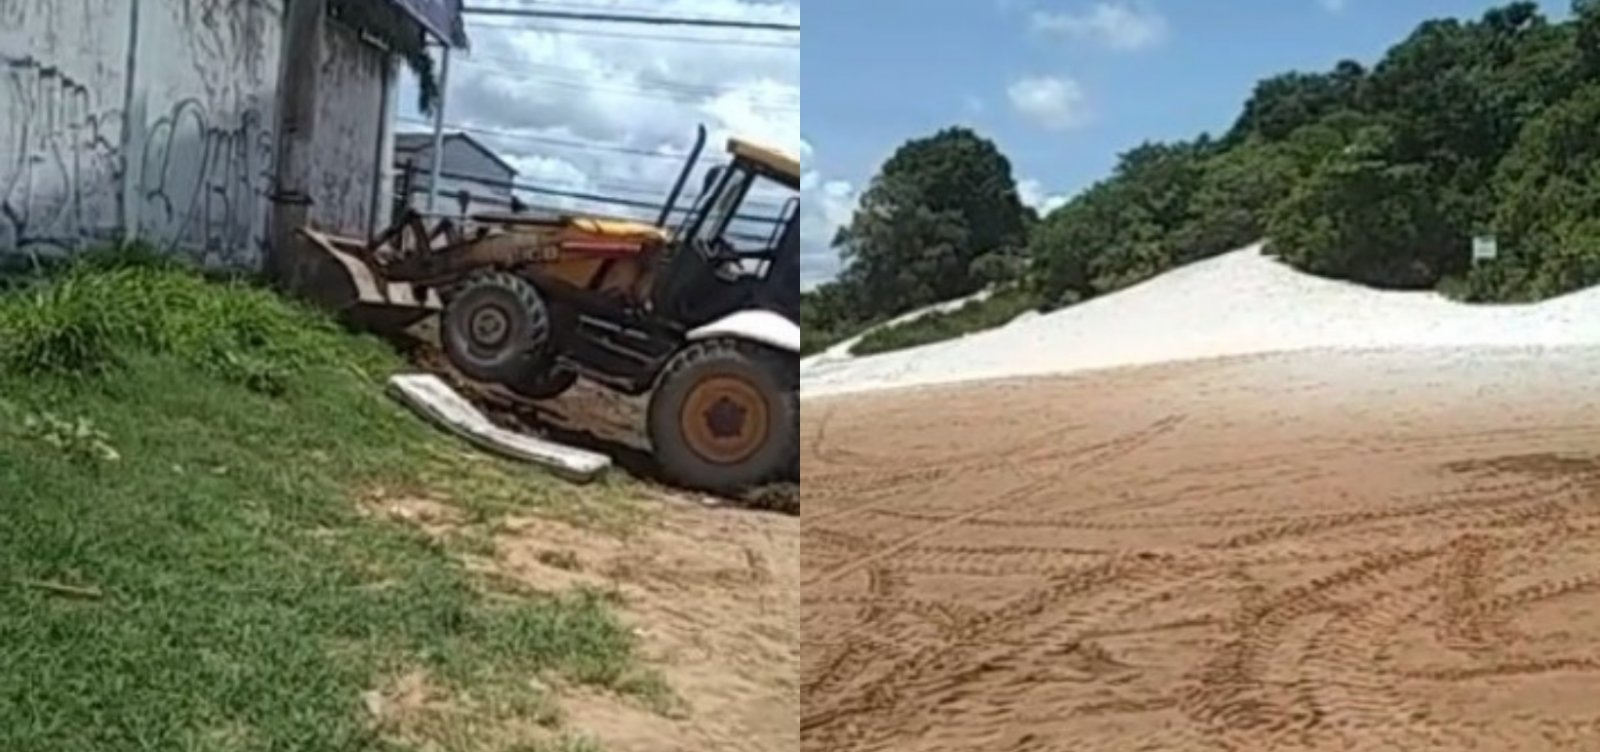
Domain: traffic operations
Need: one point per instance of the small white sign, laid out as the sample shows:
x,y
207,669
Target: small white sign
x,y
1484,249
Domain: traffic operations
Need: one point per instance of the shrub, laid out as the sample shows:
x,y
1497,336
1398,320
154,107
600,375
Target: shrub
x,y
975,316
82,322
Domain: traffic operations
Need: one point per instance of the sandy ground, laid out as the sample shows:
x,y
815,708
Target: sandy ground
x,y
1329,551
712,587
714,595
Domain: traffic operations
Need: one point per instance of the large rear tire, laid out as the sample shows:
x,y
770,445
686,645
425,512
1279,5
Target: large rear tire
x,y
725,417
495,328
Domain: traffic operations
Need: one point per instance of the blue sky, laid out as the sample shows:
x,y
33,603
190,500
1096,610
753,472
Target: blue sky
x,y
1062,86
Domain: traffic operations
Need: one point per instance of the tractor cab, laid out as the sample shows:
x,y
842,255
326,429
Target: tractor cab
x,y
739,247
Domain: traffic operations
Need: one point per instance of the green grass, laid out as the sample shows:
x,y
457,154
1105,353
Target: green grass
x,y
184,566
975,316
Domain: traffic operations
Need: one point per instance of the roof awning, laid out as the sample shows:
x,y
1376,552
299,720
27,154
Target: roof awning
x,y
442,18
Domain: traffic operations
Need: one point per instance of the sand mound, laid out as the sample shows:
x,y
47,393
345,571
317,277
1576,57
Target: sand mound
x,y
1239,303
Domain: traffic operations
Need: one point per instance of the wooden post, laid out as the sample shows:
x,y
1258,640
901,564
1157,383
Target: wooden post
x,y
304,30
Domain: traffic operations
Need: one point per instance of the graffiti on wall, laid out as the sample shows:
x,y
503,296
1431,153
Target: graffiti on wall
x,y
183,153
203,185
60,165
14,14
205,155
227,45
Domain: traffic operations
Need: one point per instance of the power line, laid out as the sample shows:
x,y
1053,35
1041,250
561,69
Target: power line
x,y
713,23
643,37
513,66
494,133
550,141
684,204
662,95
468,198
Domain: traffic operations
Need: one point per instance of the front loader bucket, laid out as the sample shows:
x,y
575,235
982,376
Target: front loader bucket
x,y
360,294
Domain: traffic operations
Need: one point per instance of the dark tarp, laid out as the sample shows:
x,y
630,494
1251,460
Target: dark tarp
x,y
442,18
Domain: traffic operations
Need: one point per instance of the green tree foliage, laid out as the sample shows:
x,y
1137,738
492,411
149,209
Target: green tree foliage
x,y
942,219
1380,174
1548,217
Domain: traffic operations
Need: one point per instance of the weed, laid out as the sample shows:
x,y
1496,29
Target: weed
x,y
78,439
247,602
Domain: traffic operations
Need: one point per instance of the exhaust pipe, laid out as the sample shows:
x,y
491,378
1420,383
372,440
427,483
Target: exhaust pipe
x,y
683,177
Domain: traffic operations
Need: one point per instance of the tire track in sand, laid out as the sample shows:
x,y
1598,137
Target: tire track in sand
x,y
1093,456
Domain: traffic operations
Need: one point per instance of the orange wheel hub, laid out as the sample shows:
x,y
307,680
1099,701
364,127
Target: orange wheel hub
x,y
725,419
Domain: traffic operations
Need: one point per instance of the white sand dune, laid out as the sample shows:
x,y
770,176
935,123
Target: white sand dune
x,y
1239,303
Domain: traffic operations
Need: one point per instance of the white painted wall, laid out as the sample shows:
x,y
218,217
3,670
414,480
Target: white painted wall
x,y
156,119
202,157
350,125
63,73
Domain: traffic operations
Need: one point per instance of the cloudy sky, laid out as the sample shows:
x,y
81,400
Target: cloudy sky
x,y
606,108
1062,86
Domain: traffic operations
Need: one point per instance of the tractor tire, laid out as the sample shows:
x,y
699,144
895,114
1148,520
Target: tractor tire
x,y
543,381
725,417
495,328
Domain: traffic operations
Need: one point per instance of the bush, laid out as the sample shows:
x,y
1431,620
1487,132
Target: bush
x,y
1363,218
975,316
84,321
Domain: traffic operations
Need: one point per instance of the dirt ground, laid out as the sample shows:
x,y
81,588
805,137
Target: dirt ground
x,y
1393,551
711,585
714,593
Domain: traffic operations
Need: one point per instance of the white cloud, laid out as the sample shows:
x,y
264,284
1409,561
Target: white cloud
x,y
531,92
1117,25
825,206
1051,102
1033,193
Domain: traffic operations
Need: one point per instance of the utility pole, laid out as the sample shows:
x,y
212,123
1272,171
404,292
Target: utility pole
x,y
438,127
304,30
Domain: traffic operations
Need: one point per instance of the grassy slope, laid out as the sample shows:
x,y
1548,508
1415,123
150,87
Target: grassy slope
x,y
973,317
246,601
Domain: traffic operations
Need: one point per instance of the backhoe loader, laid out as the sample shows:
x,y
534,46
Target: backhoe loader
x,y
700,317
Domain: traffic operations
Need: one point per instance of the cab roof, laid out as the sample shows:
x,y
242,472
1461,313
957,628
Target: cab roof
x,y
783,166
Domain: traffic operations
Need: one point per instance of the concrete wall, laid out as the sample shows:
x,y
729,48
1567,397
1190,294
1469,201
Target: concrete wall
x,y
63,70
204,95
156,119
350,124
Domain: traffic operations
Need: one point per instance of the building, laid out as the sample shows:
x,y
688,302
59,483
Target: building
x,y
158,121
472,178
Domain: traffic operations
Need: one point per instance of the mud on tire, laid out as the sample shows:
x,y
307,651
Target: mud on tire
x,y
495,327
704,391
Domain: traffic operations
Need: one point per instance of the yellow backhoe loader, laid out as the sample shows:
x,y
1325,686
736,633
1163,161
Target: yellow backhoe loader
x,y
700,317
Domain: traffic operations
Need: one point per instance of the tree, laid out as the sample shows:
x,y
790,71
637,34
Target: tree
x,y
901,253
938,205
1282,104
1548,195
1365,217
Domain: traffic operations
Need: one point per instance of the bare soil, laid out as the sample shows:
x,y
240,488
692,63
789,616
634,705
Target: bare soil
x,y
714,594
1311,552
711,586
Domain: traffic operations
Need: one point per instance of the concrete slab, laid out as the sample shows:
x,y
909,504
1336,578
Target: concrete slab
x,y
436,401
